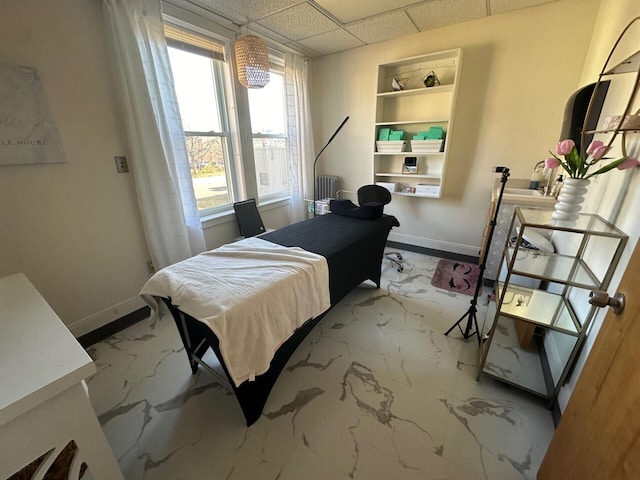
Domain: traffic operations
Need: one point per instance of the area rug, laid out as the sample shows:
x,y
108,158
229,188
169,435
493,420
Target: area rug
x,y
456,277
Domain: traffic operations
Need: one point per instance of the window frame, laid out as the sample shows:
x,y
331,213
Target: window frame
x,y
241,172
221,76
277,66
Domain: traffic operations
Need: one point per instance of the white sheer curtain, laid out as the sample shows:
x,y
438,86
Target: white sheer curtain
x,y
300,135
156,140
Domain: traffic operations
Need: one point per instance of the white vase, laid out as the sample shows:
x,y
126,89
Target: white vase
x,y
570,199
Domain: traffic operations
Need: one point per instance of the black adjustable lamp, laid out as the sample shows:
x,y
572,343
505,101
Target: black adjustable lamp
x,y
471,312
316,160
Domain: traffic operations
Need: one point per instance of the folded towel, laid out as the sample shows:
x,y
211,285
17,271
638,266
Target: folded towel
x,y
252,293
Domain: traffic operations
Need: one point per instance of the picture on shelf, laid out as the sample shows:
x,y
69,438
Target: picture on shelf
x,y
410,165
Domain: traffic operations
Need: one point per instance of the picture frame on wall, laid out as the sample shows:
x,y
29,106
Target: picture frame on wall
x,y
29,134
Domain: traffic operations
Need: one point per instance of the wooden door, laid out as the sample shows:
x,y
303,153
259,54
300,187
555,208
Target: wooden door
x,y
599,434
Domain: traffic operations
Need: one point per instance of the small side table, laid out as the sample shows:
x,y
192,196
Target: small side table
x,y
43,399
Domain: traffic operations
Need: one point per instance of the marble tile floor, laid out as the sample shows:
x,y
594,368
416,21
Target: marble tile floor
x,y
376,391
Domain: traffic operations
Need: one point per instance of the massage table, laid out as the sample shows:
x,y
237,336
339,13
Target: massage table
x,y
353,249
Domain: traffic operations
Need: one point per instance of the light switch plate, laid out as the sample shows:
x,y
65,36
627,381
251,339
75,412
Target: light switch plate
x,y
121,164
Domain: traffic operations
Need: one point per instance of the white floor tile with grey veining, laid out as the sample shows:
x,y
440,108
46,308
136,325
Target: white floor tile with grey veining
x,y
376,391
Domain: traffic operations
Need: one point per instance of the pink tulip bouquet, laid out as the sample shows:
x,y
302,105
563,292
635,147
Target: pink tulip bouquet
x,y
577,165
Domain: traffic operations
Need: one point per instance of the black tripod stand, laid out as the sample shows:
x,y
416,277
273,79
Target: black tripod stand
x,y
471,312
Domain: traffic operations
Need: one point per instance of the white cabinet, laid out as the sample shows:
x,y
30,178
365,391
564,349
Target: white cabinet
x,y
542,308
415,109
44,403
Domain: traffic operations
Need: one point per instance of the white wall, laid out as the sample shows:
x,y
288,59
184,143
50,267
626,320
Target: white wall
x,y
518,70
72,228
614,196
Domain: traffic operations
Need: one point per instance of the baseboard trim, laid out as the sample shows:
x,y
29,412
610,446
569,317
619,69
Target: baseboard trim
x,y
437,245
106,316
114,327
432,252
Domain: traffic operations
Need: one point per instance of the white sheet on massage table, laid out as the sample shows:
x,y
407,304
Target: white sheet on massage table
x,y
252,293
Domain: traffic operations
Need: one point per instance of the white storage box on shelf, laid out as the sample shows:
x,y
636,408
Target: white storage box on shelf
x,y
424,189
391,186
391,146
427,146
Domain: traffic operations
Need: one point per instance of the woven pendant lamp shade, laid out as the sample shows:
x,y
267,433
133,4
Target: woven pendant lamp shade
x,y
252,61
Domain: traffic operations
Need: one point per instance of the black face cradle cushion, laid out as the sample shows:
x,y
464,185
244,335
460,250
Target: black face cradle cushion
x,y
347,208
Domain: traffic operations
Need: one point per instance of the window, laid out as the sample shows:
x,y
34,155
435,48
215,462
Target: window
x,y
269,131
210,116
197,64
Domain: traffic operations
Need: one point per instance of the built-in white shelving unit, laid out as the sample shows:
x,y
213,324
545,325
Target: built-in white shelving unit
x,y
414,109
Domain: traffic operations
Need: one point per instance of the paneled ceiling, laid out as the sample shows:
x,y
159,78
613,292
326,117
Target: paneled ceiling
x,y
321,27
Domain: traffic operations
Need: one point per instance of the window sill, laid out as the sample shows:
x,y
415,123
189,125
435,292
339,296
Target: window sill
x,y
225,216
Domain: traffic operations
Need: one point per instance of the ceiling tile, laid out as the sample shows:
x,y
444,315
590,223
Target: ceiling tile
x,y
331,42
257,29
268,34
383,27
439,13
242,11
348,11
302,25
303,49
298,22
502,6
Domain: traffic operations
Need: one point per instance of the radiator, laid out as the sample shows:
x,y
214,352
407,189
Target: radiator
x,y
327,186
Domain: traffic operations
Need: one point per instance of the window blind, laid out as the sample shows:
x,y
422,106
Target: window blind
x,y
193,42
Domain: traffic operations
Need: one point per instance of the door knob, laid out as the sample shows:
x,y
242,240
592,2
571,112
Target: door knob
x,y
602,299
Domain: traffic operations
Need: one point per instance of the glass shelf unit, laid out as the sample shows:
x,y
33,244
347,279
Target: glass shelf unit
x,y
538,307
512,364
542,313
553,267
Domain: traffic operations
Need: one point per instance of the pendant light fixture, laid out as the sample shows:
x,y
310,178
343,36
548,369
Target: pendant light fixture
x,y
252,61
